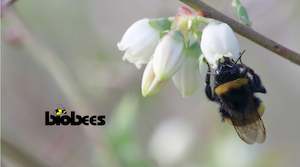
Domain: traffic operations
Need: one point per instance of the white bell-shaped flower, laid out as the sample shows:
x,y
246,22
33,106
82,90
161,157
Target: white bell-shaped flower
x,y
218,40
139,42
168,55
187,78
150,84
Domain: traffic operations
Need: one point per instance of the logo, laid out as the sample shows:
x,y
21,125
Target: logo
x,y
61,117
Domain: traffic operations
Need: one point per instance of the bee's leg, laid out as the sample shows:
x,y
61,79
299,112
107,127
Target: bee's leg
x,y
208,92
256,83
208,89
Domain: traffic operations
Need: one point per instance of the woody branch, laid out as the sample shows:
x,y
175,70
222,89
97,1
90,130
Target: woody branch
x,y
245,31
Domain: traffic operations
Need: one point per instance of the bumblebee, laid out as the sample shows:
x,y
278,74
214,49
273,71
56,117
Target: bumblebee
x,y
234,87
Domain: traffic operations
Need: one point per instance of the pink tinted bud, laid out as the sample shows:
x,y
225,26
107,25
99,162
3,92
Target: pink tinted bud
x,y
184,11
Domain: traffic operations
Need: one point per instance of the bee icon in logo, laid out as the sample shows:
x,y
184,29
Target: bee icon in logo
x,y
60,111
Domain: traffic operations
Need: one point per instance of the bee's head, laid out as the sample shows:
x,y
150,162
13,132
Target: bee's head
x,y
228,70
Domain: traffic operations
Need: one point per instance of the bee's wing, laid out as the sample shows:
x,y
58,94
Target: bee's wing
x,y
249,126
251,133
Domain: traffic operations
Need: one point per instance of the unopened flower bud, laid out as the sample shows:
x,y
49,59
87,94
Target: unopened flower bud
x,y
150,84
168,55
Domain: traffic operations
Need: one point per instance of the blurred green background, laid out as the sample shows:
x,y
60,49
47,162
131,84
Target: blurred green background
x,y
63,52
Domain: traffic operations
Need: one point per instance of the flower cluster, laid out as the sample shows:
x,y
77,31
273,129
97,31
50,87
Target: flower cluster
x,y
172,47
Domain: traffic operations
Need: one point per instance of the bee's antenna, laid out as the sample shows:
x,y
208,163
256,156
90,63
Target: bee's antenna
x,y
240,58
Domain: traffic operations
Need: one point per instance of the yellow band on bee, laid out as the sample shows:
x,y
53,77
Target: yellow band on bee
x,y
224,88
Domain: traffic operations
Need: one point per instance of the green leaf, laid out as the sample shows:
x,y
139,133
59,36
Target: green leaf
x,y
161,24
243,16
241,12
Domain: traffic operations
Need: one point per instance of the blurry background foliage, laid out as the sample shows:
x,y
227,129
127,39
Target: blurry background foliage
x,y
69,57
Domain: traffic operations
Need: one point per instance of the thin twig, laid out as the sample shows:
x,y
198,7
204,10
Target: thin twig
x,y
245,31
